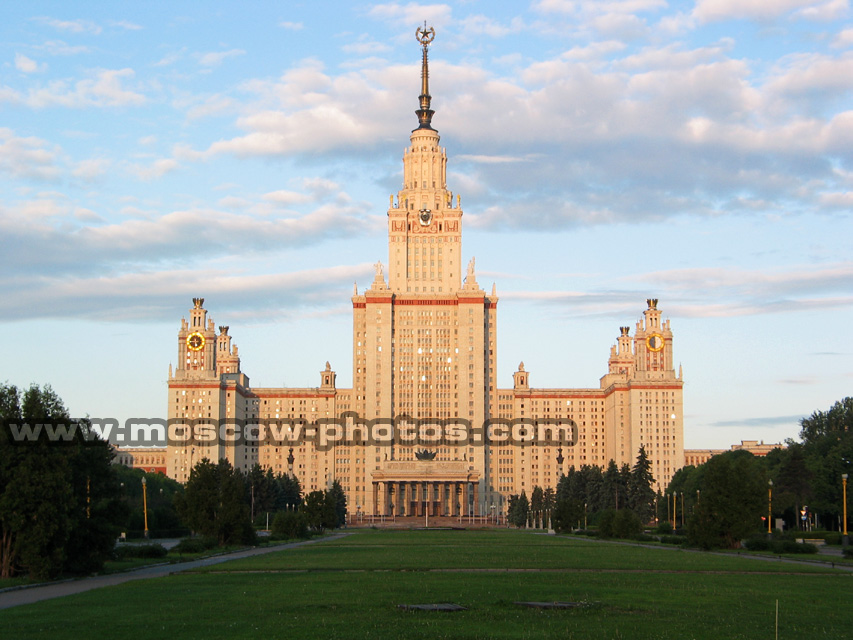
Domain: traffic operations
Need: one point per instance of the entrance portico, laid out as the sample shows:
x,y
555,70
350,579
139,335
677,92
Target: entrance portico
x,y
421,487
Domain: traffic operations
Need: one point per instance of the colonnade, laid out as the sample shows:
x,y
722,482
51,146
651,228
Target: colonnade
x,y
417,498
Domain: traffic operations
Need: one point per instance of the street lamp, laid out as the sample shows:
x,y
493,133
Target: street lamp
x,y
674,509
769,505
845,539
145,504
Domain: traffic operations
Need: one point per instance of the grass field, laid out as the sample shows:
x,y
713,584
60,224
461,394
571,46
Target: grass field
x,y
351,588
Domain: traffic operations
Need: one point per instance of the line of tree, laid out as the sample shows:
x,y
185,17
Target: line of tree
x,y
726,499
535,512
585,494
219,501
60,504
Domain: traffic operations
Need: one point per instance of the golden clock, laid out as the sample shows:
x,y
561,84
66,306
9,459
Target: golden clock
x,y
654,342
195,341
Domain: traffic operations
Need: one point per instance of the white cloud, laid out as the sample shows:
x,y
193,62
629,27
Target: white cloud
x,y
483,25
844,39
71,26
211,106
365,45
715,10
157,169
412,13
170,58
292,26
103,90
124,24
286,198
215,58
825,11
91,169
27,157
60,48
810,73
27,65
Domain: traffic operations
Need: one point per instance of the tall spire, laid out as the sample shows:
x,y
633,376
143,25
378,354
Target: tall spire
x,y
425,35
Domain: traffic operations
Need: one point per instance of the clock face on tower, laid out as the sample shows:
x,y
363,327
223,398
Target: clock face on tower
x,y
195,341
425,217
654,342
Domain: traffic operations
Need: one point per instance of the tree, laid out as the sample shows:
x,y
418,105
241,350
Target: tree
x,y
641,495
517,510
835,423
549,499
623,523
338,501
537,503
289,492
792,483
610,488
213,503
734,494
163,519
59,499
315,509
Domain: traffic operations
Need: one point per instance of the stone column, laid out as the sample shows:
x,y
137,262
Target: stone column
x,y
442,494
476,505
375,498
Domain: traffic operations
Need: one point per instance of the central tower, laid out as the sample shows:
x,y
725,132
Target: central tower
x,y
424,342
424,227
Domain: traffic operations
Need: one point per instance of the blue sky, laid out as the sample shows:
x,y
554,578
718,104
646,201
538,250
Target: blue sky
x,y
605,152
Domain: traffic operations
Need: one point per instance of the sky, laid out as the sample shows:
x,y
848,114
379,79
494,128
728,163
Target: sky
x,y
605,153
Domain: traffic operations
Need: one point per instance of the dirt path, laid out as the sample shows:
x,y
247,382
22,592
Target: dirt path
x,y
29,595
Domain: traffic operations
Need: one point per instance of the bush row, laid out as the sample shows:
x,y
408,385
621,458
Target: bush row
x,y
761,543
196,545
126,551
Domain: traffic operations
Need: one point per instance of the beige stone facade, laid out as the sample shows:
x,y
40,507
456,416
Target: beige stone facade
x,y
696,457
151,459
425,349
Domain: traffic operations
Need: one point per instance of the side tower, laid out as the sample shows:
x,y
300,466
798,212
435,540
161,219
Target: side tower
x,y
643,397
207,392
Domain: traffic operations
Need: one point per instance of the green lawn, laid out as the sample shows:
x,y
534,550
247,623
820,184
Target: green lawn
x,y
350,588
420,550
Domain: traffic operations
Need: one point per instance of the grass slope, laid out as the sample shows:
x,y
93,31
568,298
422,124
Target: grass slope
x,y
350,588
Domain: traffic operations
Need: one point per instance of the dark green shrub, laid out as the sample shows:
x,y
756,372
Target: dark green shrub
x,y
642,537
777,546
757,543
196,545
623,523
139,551
290,524
664,528
789,546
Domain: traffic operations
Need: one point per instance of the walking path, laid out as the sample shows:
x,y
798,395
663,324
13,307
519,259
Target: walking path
x,y
38,593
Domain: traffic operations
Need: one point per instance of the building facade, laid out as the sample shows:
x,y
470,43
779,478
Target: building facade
x,y
425,428
695,457
149,459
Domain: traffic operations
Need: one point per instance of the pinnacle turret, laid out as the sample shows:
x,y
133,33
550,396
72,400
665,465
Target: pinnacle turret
x,y
425,35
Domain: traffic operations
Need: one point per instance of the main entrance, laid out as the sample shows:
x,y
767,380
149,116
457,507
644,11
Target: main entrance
x,y
425,487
